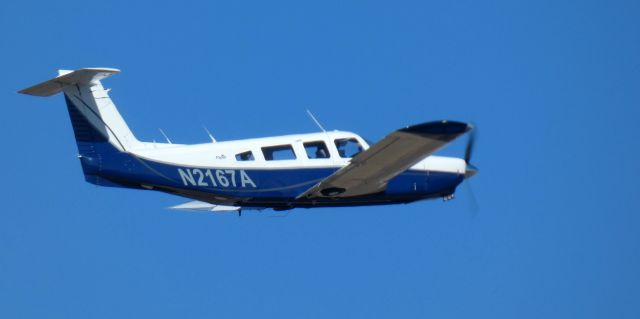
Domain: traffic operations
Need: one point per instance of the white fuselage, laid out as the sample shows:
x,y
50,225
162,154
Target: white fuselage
x,y
223,154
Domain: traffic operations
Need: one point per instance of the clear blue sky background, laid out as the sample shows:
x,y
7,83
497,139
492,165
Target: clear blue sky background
x,y
553,86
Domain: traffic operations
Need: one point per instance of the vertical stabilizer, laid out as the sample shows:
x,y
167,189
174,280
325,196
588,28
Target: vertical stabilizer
x,y
93,115
102,136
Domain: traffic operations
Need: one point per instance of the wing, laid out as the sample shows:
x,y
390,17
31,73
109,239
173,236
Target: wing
x,y
198,206
205,207
369,171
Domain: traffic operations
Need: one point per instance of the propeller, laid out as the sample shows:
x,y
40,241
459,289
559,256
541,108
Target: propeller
x,y
473,202
470,143
471,170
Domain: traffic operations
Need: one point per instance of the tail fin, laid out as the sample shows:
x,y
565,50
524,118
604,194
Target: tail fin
x,y
101,133
94,117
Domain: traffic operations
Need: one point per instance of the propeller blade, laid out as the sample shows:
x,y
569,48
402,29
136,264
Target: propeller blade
x,y
473,202
471,171
470,144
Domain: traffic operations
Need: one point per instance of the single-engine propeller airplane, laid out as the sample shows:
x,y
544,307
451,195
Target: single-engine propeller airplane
x,y
324,169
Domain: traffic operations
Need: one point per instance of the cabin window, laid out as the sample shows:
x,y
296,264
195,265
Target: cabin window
x,y
278,153
316,149
245,156
348,147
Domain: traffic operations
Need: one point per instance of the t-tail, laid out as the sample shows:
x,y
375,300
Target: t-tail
x,y
103,137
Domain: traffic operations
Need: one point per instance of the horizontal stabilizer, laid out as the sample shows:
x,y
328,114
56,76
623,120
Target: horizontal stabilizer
x,y
66,78
205,207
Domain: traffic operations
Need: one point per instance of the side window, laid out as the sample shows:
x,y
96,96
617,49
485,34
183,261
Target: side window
x,y
278,153
245,156
316,149
348,147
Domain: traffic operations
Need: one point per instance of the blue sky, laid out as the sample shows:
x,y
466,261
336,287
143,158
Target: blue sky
x,y
553,86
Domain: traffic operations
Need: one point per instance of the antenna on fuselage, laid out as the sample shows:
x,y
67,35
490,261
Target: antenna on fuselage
x,y
213,140
165,136
315,120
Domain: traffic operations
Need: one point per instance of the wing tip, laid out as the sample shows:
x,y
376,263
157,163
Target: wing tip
x,y
439,127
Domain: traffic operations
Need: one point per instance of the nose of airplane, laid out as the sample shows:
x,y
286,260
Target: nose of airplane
x,y
470,171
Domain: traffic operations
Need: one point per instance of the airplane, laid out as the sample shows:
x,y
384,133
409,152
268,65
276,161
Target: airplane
x,y
323,169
